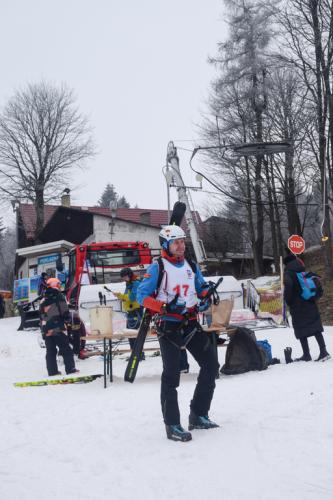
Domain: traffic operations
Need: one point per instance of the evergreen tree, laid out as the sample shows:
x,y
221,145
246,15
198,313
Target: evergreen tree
x,y
239,100
110,195
123,203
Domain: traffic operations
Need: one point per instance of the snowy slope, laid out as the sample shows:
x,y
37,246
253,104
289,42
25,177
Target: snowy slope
x,y
84,442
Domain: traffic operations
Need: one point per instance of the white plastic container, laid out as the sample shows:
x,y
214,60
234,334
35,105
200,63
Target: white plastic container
x,y
101,320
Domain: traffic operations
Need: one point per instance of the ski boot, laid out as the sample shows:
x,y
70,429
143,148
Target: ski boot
x,y
83,354
287,355
305,357
177,433
323,356
203,422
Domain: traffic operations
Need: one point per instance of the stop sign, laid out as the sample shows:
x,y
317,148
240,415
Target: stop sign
x,y
296,244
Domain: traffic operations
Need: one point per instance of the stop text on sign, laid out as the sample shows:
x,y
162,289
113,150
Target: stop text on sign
x,y
296,244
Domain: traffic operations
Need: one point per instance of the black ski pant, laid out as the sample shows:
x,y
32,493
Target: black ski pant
x,y
60,341
171,339
321,343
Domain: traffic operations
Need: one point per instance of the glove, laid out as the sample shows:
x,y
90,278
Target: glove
x,y
203,306
176,306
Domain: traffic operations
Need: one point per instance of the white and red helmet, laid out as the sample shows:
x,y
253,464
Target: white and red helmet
x,y
170,233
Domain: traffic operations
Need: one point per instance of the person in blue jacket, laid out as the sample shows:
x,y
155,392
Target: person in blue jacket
x,y
130,305
175,299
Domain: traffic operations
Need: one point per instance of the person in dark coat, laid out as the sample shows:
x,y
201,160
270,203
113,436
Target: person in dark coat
x,y
54,316
42,285
305,315
2,306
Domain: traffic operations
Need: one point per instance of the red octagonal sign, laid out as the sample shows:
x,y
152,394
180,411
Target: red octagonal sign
x,y
296,244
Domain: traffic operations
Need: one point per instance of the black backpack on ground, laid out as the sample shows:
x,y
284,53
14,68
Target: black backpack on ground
x,y
243,353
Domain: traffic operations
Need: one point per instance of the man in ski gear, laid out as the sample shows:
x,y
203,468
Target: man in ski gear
x,y
130,305
304,313
54,314
175,304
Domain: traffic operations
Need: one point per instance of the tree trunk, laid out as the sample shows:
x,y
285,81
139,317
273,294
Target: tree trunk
x,y
271,216
280,242
252,233
259,205
39,208
294,223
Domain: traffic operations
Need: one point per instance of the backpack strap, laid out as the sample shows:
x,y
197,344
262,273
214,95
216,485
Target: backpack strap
x,y
161,270
193,265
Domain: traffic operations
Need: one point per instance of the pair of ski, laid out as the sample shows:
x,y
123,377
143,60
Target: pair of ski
x,y
83,379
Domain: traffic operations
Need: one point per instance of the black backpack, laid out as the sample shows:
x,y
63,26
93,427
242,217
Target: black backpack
x,y
243,353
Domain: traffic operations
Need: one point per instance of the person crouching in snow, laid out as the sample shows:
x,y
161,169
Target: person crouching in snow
x,y
304,313
174,299
54,314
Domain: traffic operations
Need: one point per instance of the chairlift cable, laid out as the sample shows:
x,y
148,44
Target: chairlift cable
x,y
236,198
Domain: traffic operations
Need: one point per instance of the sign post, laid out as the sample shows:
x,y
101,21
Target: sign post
x,y
296,244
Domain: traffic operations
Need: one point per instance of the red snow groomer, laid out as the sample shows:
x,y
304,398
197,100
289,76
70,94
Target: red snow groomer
x,y
100,263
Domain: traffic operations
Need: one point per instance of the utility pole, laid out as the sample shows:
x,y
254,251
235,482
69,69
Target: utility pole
x,y
173,164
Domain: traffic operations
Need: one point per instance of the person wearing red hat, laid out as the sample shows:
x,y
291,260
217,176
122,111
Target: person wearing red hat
x,y
54,314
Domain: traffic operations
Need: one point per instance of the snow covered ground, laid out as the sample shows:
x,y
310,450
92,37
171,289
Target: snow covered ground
x,y
89,443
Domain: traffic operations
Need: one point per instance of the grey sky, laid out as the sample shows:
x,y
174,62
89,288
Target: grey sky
x,y
139,69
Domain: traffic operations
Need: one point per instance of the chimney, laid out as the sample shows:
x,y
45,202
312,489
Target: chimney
x,y
66,198
145,218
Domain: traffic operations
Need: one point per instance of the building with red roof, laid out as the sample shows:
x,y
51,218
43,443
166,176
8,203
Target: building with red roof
x,y
79,223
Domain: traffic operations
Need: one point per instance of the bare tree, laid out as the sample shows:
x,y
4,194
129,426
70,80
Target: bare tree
x,y
308,46
42,137
7,258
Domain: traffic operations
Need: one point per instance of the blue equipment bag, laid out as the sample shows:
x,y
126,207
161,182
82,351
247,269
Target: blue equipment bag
x,y
267,348
310,285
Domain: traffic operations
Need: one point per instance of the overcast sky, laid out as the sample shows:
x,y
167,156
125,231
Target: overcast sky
x,y
139,70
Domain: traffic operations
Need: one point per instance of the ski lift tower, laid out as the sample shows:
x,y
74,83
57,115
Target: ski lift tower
x,y
173,174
